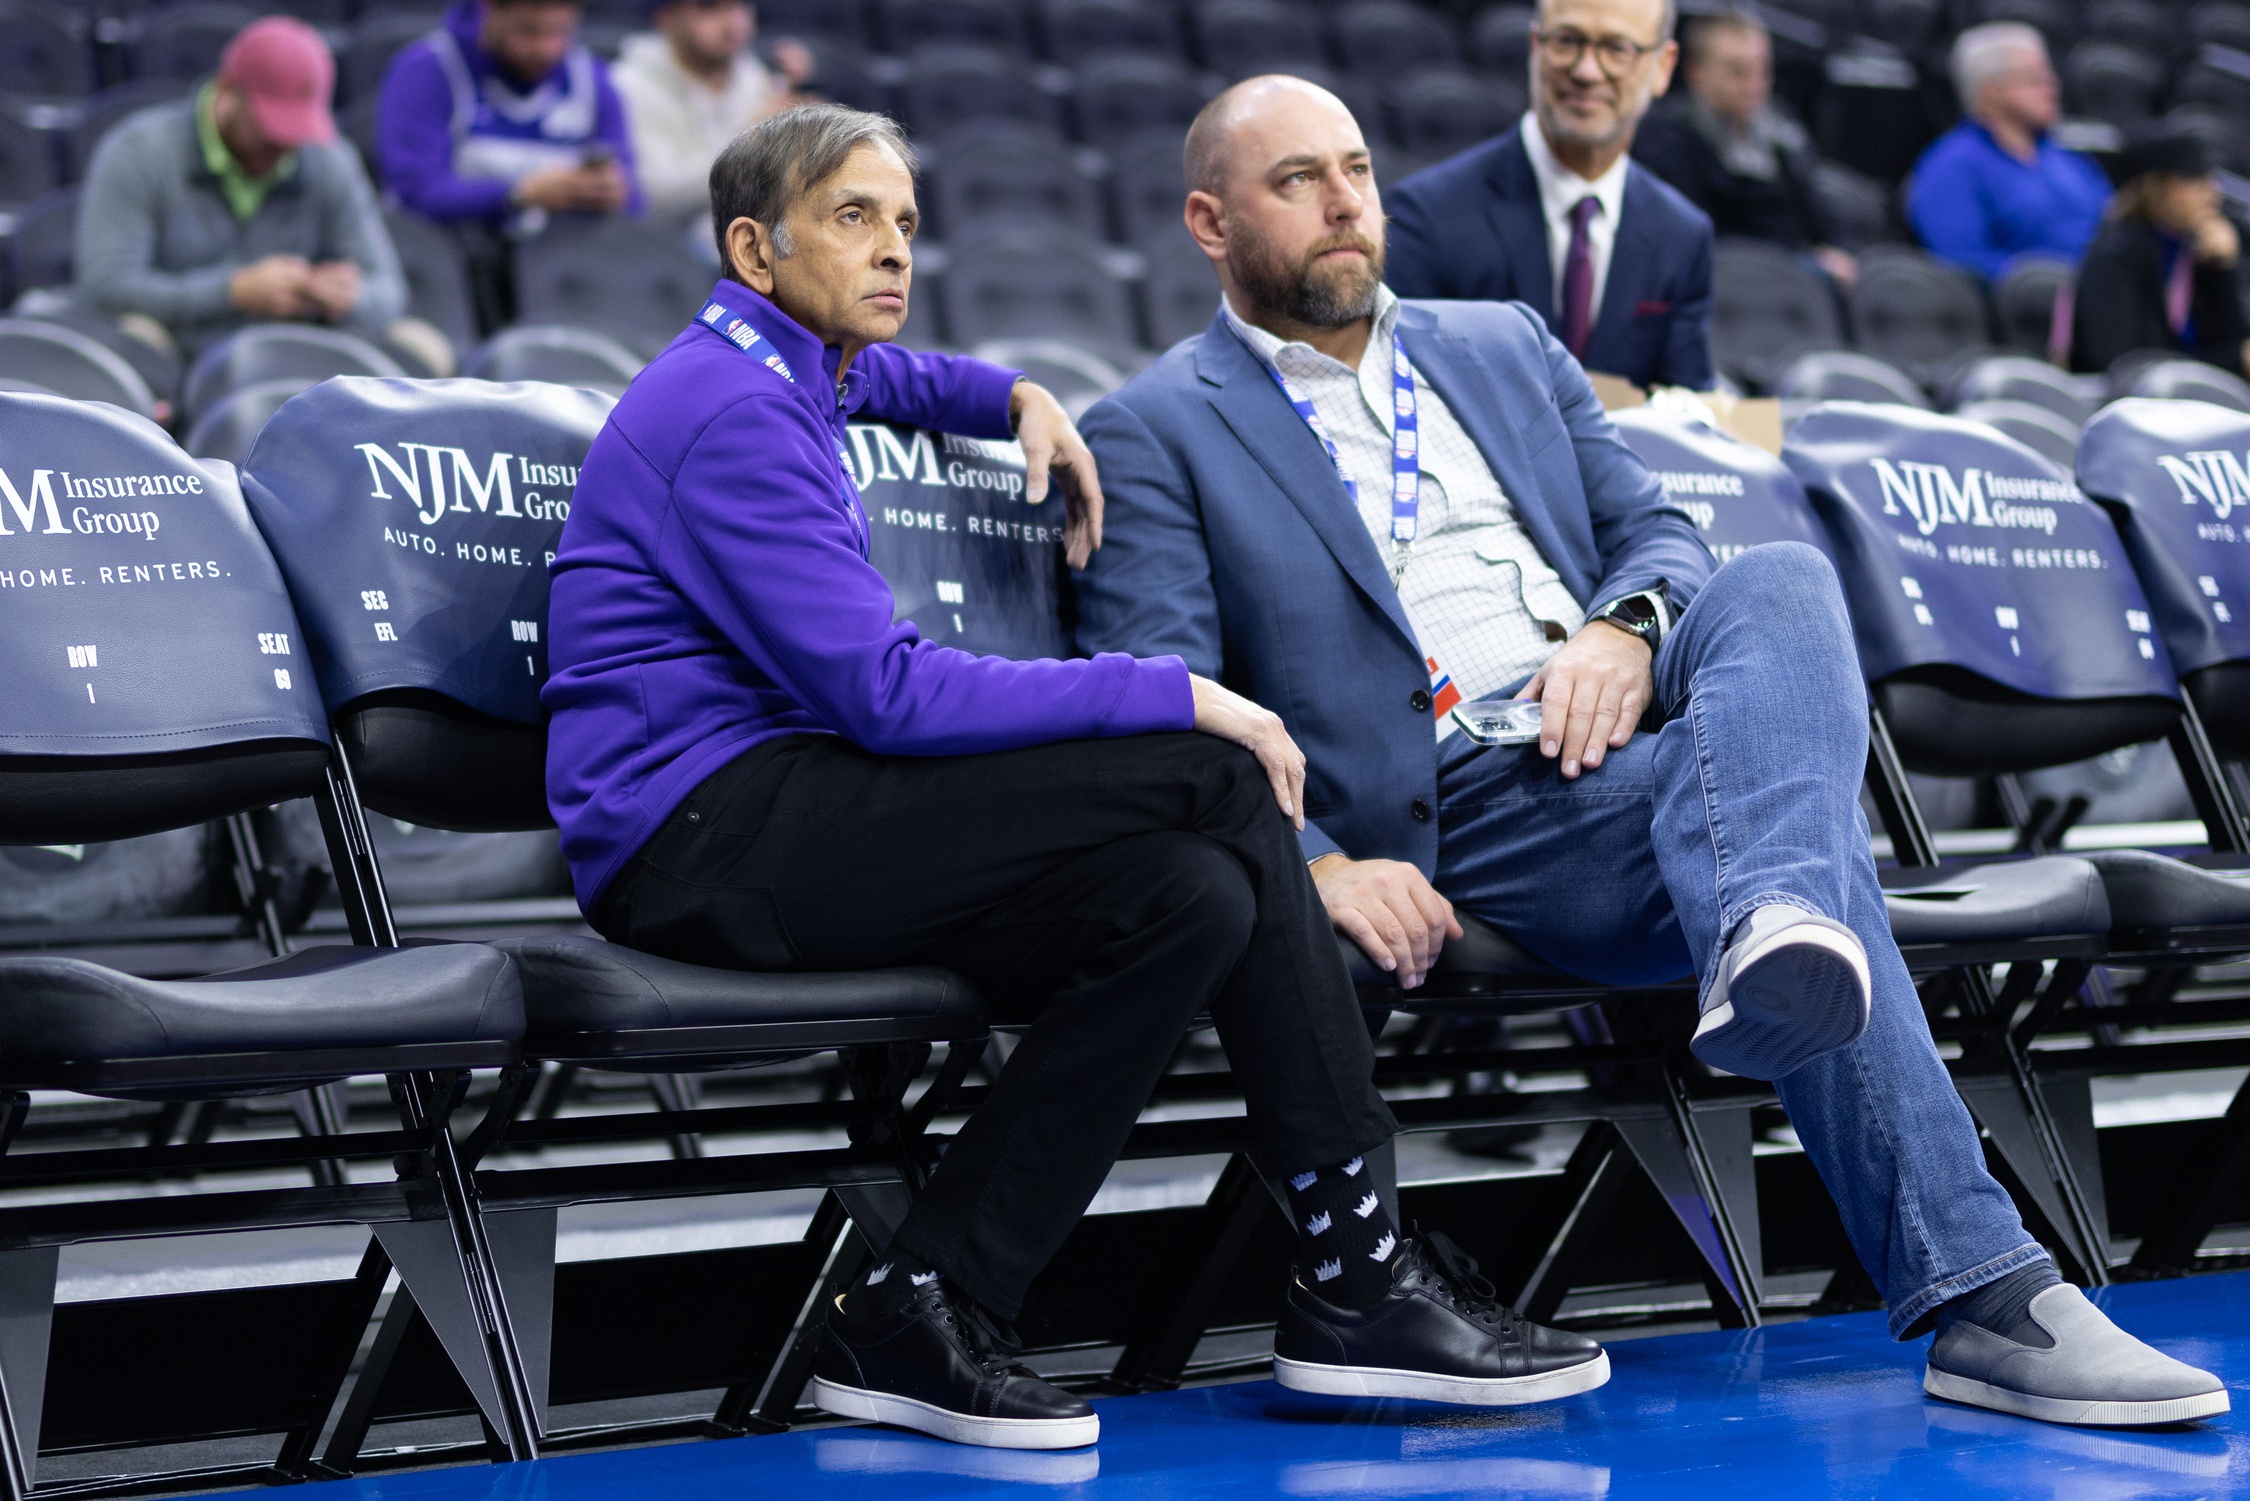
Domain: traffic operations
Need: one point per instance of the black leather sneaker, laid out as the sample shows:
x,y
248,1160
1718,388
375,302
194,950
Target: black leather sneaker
x,y
1440,1334
930,1364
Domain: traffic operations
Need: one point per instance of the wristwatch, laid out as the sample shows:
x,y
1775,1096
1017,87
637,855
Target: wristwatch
x,y
1645,614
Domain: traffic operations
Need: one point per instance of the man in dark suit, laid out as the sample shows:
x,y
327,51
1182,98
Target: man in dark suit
x,y
1356,510
1556,215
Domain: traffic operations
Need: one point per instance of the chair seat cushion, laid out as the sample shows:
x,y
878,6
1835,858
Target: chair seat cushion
x,y
579,985
57,1010
2056,896
2148,890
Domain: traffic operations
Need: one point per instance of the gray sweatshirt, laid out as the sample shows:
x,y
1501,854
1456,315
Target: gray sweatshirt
x,y
155,235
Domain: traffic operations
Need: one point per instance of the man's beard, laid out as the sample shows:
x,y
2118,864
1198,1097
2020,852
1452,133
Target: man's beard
x,y
1303,291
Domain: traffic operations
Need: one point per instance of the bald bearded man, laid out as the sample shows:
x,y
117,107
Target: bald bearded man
x,y
1357,510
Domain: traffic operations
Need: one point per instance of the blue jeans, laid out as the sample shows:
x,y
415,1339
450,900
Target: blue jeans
x,y
1748,795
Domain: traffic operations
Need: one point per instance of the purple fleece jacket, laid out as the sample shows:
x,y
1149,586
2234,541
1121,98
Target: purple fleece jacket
x,y
414,124
712,590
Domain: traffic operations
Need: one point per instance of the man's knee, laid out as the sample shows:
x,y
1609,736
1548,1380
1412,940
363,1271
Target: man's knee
x,y
1789,576
1191,881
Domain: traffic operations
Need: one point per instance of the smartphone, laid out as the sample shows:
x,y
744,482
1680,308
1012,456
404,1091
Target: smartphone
x,y
1499,721
599,156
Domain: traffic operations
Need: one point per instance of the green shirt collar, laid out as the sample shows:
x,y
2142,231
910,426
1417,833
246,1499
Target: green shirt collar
x,y
245,194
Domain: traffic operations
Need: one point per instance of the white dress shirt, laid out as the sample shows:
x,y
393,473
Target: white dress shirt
x,y
1559,192
1482,600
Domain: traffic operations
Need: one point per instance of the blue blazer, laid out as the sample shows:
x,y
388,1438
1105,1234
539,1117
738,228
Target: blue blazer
x,y
1231,541
1472,227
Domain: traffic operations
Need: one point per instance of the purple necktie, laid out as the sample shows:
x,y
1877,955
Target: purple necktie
x,y
1578,279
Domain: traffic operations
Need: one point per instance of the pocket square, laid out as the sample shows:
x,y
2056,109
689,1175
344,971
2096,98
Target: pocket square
x,y
1651,309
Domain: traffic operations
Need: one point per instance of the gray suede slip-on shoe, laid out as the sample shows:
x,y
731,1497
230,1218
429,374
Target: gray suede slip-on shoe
x,y
2095,1373
1790,988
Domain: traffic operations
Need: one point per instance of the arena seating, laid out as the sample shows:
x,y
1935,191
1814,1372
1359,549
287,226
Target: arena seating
x,y
278,351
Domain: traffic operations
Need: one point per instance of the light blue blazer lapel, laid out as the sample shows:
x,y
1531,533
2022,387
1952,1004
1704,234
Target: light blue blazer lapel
x,y
1250,402
1474,394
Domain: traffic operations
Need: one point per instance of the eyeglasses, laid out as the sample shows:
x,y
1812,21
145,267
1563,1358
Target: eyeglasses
x,y
1616,55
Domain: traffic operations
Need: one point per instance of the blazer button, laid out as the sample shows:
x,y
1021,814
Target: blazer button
x,y
1420,701
1421,811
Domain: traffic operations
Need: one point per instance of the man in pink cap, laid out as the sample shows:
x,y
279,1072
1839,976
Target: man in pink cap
x,y
239,205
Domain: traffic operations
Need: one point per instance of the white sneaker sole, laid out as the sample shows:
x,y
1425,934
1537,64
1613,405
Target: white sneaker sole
x,y
1975,1393
1801,993
955,1427
1463,1391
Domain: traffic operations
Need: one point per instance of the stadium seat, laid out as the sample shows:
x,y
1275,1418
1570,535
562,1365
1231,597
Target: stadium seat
x,y
1147,188
2036,427
105,109
437,275
2222,23
2031,301
232,422
951,84
1905,24
442,727
27,162
2147,27
2015,377
44,51
1440,112
845,72
184,41
1119,98
2053,19
904,25
810,19
1842,375
2216,77
1236,38
278,351
2112,81
1179,289
1077,377
208,678
1917,313
2189,380
1768,306
1011,172
1075,32
636,283
71,364
1387,38
42,247
1859,205
561,355
2222,134
1026,279
158,364
1500,39
377,37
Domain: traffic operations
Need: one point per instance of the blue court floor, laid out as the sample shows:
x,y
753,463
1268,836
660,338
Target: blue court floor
x,y
1828,1408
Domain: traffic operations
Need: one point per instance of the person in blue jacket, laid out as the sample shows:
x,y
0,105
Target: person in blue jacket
x,y
1995,187
755,764
1361,508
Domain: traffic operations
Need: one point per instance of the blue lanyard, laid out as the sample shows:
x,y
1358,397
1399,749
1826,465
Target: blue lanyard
x,y
722,321
1406,468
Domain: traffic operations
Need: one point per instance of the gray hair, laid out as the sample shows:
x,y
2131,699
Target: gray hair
x,y
767,168
1983,53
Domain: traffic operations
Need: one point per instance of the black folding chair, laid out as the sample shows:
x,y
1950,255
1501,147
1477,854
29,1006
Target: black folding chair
x,y
1846,375
1007,170
188,697
1768,306
2002,629
435,667
1917,312
267,352
620,277
1079,31
71,364
563,356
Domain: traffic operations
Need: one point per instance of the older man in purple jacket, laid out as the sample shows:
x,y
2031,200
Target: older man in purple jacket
x,y
755,765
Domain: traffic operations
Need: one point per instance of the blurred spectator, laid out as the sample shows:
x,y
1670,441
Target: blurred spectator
x,y
2165,272
1733,153
238,204
1555,214
500,117
693,85
1994,187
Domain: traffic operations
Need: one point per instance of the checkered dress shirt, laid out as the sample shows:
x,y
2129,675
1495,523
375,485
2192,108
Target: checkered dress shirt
x,y
1481,599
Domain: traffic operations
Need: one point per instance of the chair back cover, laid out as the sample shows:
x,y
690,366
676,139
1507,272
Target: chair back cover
x,y
140,610
2176,476
415,520
1960,546
969,561
1738,494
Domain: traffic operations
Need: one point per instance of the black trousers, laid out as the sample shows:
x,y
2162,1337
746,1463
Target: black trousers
x,y
1104,892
